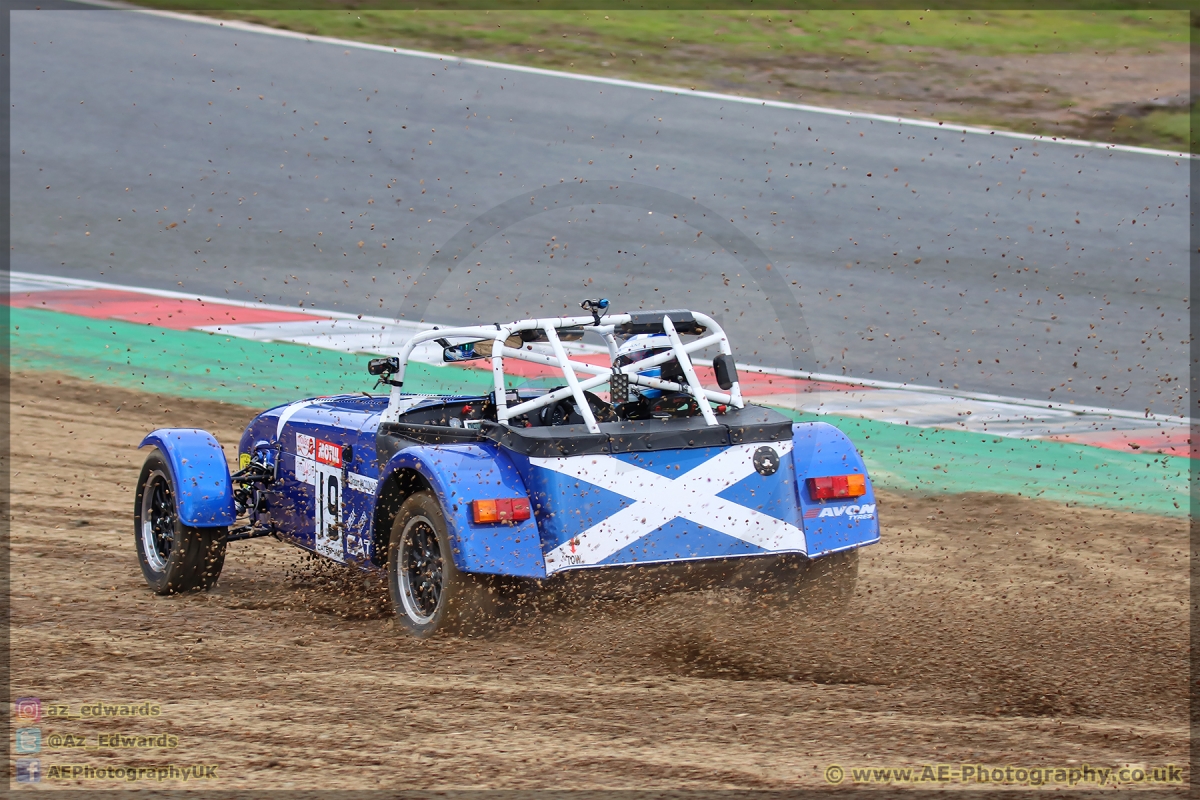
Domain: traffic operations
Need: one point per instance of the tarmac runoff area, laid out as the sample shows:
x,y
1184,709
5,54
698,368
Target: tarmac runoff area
x,y
913,438
1028,267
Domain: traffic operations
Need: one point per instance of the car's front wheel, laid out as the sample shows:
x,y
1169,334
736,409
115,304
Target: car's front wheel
x,y
174,557
429,593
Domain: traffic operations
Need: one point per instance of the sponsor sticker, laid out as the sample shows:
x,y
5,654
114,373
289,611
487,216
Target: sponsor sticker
x,y
329,453
361,483
357,544
319,450
855,512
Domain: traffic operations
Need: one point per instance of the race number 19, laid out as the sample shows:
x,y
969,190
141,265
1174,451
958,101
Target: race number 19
x,y
329,511
319,464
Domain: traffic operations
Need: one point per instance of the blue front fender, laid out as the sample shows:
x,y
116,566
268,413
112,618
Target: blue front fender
x,y
203,488
459,474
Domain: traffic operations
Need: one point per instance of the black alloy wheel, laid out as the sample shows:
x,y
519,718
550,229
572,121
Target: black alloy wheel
x,y
421,560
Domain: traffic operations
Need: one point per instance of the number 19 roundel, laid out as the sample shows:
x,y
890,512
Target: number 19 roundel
x,y
319,464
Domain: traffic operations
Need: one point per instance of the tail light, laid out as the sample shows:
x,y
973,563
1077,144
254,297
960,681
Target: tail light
x,y
837,487
502,510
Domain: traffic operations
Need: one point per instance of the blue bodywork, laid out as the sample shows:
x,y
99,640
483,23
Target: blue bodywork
x,y
330,480
464,472
637,486
199,474
819,450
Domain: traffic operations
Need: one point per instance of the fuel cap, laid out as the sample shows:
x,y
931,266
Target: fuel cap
x,y
766,461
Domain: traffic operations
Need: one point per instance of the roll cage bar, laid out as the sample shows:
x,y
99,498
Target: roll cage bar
x,y
608,327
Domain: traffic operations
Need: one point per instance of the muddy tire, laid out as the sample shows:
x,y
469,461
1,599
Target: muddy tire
x,y
174,557
429,593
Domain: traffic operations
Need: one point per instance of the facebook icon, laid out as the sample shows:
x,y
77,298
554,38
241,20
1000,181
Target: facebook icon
x,y
29,770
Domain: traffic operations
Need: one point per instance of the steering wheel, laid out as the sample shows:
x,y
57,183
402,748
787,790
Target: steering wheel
x,y
566,412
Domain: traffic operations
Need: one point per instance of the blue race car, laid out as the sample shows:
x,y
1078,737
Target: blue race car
x,y
467,500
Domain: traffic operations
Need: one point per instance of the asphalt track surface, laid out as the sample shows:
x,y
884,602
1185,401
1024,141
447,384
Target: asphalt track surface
x,y
168,153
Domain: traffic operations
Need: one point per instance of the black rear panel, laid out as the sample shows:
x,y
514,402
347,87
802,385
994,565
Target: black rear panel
x,y
737,426
751,424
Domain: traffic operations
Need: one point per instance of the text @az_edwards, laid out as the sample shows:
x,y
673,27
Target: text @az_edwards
x,y
984,774
108,741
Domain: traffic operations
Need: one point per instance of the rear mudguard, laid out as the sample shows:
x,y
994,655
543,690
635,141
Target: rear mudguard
x,y
459,474
820,450
203,489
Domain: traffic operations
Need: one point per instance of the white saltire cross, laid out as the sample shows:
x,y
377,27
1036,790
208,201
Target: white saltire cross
x,y
659,499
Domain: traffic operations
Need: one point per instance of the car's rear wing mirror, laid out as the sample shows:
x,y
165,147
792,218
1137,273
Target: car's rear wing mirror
x,y
725,370
564,335
468,351
473,351
482,348
652,322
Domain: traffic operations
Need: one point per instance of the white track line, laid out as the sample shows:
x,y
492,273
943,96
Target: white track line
x,y
1017,408
249,27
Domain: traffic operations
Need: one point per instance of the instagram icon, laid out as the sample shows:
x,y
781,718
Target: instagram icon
x,y
29,709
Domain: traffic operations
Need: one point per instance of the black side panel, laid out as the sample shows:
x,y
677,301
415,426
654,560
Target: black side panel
x,y
431,434
395,436
387,445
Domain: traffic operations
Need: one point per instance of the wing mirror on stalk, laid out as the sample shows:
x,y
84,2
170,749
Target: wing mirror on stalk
x,y
383,366
726,371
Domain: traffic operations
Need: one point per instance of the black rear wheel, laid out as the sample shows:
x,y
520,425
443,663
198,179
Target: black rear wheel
x,y
429,593
174,557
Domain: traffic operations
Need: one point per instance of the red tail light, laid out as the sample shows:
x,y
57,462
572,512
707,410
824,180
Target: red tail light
x,y
837,487
502,510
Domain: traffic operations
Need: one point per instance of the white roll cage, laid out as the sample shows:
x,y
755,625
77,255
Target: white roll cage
x,y
557,357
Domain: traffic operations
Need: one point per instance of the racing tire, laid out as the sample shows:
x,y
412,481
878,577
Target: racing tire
x,y
429,593
174,557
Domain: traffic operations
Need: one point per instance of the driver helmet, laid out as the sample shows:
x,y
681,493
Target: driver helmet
x,y
638,348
